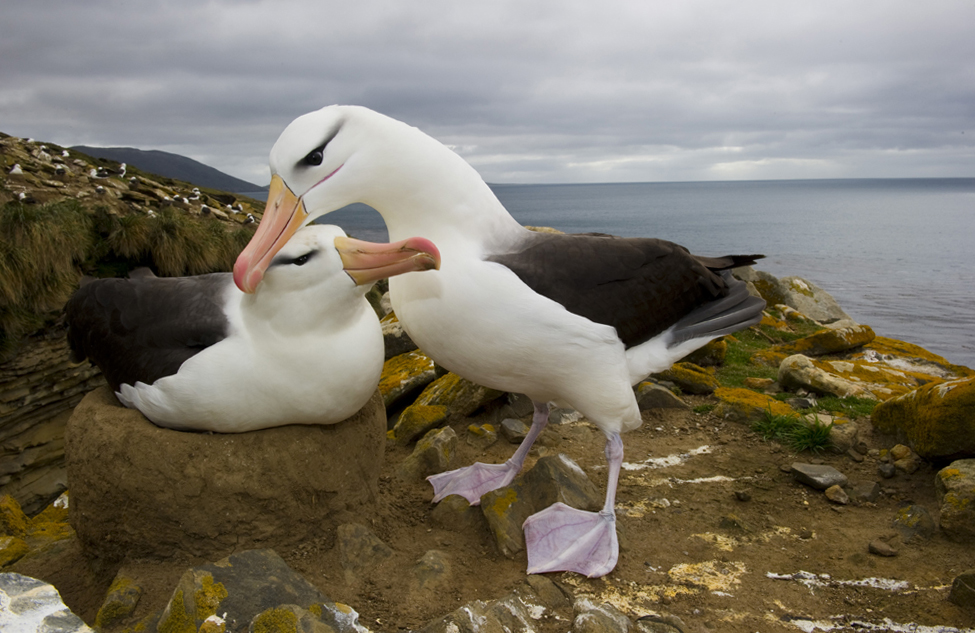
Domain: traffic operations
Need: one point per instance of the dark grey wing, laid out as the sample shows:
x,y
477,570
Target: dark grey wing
x,y
144,328
640,286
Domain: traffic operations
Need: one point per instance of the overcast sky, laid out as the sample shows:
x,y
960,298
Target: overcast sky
x,y
527,90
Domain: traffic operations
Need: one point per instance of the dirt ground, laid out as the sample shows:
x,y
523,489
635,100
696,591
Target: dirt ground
x,y
690,546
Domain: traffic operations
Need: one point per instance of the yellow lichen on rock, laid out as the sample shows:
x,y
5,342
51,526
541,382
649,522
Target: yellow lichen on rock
x,y
934,420
399,371
460,395
690,378
828,341
176,618
13,521
208,597
276,621
12,549
417,419
744,405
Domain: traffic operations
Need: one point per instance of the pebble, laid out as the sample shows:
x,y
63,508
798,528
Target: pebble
x,y
514,430
817,476
864,491
963,590
836,494
881,548
743,495
914,521
887,471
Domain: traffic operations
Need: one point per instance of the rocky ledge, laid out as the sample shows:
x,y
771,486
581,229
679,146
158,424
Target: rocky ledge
x,y
881,510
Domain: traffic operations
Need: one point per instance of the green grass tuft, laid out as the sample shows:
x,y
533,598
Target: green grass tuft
x,y
798,432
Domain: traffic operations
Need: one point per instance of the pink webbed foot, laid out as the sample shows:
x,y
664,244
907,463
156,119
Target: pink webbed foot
x,y
472,481
563,538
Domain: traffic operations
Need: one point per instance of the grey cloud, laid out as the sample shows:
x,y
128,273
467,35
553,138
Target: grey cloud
x,y
566,91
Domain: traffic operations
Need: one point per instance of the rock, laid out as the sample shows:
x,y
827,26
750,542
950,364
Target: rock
x,y
843,435
837,495
288,618
12,549
799,372
13,521
510,613
38,388
963,590
734,523
864,491
711,355
514,430
481,436
690,378
760,384
340,617
914,522
817,476
120,601
900,452
237,589
416,420
396,340
744,405
660,624
881,548
514,405
432,573
454,513
743,495
799,294
141,490
360,549
551,595
31,605
602,618
886,470
650,395
828,341
935,420
404,376
461,396
552,478
955,487
908,465
432,454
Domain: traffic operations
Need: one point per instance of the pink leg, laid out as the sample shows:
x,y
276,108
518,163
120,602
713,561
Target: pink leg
x,y
563,538
473,481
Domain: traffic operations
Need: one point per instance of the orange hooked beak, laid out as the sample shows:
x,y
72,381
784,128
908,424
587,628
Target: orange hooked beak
x,y
368,262
283,216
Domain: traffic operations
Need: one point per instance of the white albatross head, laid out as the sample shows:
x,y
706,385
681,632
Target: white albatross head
x,y
321,269
333,157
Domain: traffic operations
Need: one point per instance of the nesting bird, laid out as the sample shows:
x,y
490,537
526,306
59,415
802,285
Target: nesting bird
x,y
196,353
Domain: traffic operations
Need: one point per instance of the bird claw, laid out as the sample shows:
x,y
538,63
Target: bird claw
x,y
562,538
472,481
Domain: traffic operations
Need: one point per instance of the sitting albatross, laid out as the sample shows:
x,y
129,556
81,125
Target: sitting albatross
x,y
196,353
574,319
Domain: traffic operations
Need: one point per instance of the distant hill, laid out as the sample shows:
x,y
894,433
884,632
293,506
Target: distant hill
x,y
172,166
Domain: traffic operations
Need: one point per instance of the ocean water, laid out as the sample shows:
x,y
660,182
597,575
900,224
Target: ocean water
x,y
896,254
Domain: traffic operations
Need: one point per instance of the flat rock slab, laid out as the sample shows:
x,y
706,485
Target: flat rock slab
x,y
141,490
818,476
28,605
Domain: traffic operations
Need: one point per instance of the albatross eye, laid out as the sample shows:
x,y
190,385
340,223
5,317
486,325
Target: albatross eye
x,y
301,261
314,157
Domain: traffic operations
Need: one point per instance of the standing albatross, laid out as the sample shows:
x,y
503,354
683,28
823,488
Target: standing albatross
x,y
196,353
573,319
